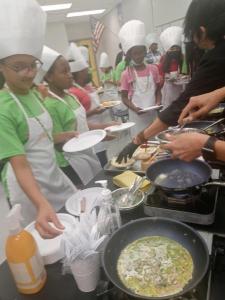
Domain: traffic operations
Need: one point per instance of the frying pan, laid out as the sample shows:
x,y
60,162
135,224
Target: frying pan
x,y
203,124
199,171
181,233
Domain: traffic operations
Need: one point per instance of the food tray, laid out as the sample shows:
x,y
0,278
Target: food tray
x,y
136,168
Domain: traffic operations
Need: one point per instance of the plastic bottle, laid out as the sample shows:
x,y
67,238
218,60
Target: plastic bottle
x,y
109,209
23,256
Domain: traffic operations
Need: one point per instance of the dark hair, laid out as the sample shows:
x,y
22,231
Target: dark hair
x,y
193,57
2,80
209,14
51,70
172,56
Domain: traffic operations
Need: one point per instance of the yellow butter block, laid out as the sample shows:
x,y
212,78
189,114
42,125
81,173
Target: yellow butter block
x,y
127,178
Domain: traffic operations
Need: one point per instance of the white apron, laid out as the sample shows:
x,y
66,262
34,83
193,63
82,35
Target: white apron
x,y
85,163
111,93
110,90
144,96
100,118
170,92
40,153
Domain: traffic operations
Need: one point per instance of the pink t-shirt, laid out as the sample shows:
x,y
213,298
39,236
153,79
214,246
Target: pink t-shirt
x,y
128,77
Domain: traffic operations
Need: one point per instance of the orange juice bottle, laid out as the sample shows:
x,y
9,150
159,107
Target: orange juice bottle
x,y
23,256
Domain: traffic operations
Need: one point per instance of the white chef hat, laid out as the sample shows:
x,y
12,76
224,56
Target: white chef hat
x,y
77,61
171,36
22,24
84,52
151,38
132,34
48,58
104,61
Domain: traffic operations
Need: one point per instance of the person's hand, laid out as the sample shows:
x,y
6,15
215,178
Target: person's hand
x,y
139,111
185,146
140,138
110,137
127,152
69,135
45,215
136,109
112,123
61,138
198,107
98,110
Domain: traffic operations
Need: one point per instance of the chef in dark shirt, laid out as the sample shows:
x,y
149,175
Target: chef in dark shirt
x,y
205,25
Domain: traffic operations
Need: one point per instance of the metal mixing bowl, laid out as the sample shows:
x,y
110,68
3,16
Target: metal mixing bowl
x,y
161,137
133,200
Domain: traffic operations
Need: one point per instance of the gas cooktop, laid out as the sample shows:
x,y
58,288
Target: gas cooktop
x,y
200,293
211,287
198,207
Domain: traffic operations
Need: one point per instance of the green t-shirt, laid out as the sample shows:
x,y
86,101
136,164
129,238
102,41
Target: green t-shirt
x,y
63,119
108,76
119,70
14,129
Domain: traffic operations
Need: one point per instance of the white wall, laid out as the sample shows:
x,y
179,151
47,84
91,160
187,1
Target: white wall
x,y
56,37
78,31
109,41
167,13
140,10
130,10
156,14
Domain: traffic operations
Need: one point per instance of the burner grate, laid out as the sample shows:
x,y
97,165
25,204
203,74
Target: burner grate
x,y
118,295
201,210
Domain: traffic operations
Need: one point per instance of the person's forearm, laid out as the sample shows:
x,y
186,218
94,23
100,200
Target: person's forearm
x,y
91,112
128,102
93,126
158,96
218,95
63,137
220,150
156,127
27,181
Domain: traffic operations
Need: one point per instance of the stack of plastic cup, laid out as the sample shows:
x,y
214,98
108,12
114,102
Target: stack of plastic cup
x,y
87,272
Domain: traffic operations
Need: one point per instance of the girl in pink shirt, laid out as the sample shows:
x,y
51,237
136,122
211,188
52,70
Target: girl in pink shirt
x,y
140,89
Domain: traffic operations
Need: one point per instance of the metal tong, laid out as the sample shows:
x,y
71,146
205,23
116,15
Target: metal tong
x,y
133,189
213,124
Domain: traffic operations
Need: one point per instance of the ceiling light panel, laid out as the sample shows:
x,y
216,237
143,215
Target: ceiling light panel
x,y
85,13
56,7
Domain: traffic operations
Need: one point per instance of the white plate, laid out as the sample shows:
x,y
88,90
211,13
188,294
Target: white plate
x,y
110,103
155,107
121,127
91,195
50,249
84,141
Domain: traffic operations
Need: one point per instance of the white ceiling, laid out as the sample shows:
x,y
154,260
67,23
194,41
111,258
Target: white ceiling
x,y
78,5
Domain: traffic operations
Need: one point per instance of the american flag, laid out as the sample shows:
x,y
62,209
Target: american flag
x,y
97,29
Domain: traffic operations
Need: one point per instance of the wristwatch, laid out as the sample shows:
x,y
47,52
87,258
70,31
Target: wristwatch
x,y
208,150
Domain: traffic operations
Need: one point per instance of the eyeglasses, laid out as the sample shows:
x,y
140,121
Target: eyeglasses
x,y
23,69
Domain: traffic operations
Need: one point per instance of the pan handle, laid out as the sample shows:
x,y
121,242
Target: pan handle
x,y
217,183
213,124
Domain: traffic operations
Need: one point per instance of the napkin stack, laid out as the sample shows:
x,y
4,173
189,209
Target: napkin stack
x,y
83,240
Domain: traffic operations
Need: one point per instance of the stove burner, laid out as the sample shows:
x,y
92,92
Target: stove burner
x,y
200,201
194,295
179,198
